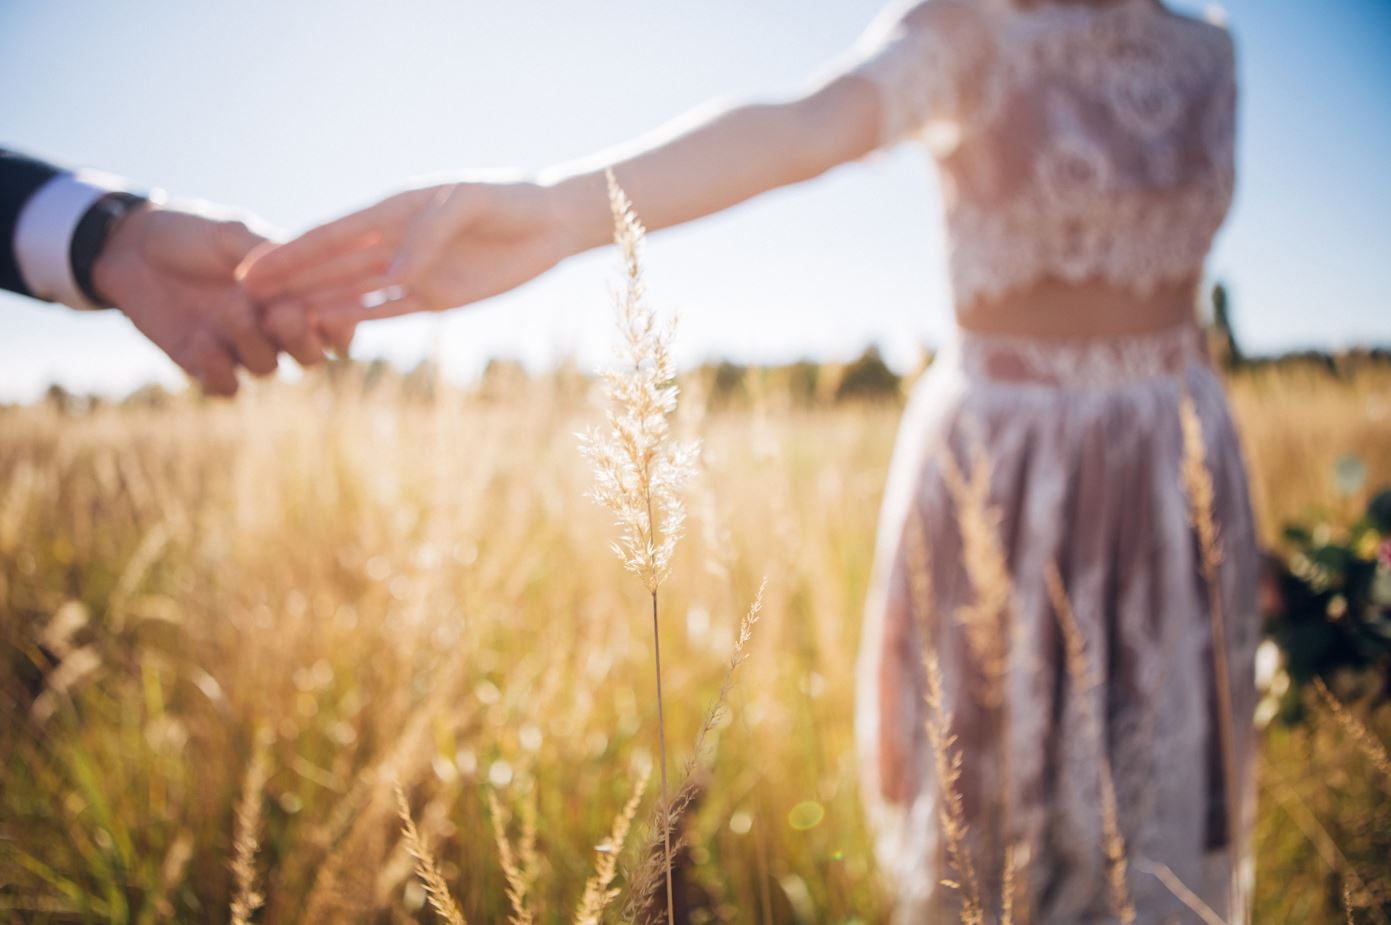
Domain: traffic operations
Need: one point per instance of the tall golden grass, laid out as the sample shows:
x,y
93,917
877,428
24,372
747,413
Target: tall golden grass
x,y
402,582
375,580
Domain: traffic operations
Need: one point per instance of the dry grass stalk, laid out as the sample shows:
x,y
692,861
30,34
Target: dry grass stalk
x,y
353,833
1197,484
985,620
172,872
526,848
948,763
426,867
247,841
1347,905
519,877
1084,680
638,468
737,657
598,889
950,809
1007,889
919,576
715,712
1180,890
1355,729
1014,910
667,816
139,565
664,839
951,813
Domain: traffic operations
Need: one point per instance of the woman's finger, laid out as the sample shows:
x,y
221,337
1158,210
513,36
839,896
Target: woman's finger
x,y
375,298
336,332
288,324
265,271
428,235
339,270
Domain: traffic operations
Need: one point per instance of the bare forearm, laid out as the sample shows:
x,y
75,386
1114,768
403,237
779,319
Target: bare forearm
x,y
710,160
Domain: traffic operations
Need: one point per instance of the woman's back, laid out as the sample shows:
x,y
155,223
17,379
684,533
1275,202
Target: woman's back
x,y
1086,154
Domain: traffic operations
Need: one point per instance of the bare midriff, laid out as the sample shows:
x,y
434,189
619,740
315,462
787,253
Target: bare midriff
x,y
1052,308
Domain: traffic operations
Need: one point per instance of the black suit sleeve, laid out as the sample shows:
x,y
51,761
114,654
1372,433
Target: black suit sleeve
x,y
20,178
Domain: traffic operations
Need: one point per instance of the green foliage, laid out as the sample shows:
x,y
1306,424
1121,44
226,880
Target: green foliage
x,y
1332,610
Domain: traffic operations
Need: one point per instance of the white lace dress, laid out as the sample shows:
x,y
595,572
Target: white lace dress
x,y
1081,142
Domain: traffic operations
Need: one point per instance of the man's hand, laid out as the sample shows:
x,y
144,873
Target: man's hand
x,y
173,273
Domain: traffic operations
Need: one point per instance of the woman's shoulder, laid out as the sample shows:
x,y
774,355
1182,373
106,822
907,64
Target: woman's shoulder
x,y
938,30
1210,28
958,24
946,16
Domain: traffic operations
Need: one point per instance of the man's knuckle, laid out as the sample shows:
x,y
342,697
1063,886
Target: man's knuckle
x,y
235,318
201,349
262,361
235,234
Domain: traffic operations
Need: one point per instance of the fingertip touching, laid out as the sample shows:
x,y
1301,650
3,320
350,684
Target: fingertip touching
x,y
287,323
259,273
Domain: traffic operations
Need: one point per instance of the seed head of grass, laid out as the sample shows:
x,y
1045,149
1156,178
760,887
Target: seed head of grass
x,y
426,867
247,840
598,889
639,469
1355,729
1084,679
951,812
1196,480
985,621
518,867
1197,483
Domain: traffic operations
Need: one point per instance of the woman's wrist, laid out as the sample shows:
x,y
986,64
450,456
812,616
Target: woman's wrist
x,y
579,207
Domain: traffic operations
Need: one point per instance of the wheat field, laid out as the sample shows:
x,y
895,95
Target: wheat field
x,y
229,630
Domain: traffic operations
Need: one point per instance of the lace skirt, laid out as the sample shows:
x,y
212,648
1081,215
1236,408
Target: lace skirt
x,y
1018,459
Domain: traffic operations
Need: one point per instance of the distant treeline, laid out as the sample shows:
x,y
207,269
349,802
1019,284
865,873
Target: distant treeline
x,y
805,383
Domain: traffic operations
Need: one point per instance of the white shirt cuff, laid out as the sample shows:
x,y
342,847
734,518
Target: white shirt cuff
x,y
43,233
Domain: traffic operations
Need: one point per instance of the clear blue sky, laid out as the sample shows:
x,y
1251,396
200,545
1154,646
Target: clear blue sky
x,y
302,110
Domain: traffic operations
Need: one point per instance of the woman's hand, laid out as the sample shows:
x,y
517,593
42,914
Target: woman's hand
x,y
426,249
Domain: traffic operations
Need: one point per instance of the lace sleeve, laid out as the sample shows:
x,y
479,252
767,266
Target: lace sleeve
x,y
921,59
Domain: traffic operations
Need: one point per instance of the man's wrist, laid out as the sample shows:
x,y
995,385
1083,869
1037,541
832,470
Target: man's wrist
x,y
120,251
93,235
44,232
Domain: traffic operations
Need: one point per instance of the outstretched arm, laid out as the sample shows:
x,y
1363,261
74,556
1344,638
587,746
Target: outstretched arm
x,y
715,158
452,243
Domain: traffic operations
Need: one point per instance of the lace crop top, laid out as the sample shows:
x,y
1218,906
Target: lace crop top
x,y
1079,141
